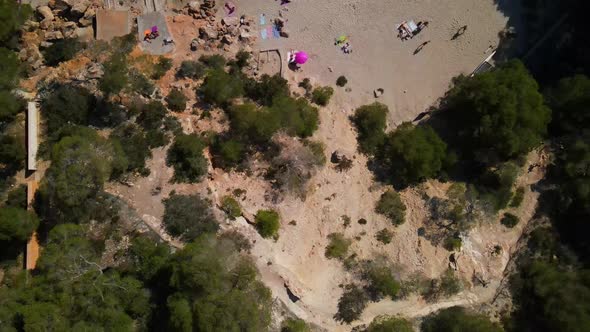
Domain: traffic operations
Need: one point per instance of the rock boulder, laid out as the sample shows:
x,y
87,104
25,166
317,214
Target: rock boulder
x,y
208,32
45,12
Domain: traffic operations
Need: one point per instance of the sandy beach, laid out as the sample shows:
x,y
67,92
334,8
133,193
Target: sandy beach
x,y
412,82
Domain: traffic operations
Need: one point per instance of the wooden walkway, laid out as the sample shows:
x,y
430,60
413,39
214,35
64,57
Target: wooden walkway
x,y
32,250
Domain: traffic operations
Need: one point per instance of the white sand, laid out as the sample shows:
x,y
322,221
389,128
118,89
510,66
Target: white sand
x,y
412,83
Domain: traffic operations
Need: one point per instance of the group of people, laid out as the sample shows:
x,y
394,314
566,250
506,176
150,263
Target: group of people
x,y
148,35
344,44
407,30
153,33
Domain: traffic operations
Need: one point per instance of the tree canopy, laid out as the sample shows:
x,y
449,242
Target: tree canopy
x,y
498,113
186,156
390,324
188,216
370,122
458,319
12,16
412,154
16,224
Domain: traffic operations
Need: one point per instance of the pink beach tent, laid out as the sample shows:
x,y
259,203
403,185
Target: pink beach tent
x,y
301,57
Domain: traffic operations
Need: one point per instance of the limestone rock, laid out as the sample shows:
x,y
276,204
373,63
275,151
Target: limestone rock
x,y
45,12
230,21
85,33
79,7
31,25
194,45
53,35
94,71
46,25
68,29
208,4
58,4
194,6
208,32
88,17
247,37
378,92
227,39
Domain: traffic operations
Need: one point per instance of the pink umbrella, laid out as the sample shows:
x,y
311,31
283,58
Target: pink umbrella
x,y
301,58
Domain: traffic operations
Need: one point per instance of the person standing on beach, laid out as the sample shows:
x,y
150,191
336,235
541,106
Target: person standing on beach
x,y
459,32
421,46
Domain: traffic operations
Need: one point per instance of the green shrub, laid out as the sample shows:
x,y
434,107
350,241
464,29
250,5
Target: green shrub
x,y
12,152
242,58
453,243
370,122
231,207
252,125
413,154
231,152
115,75
338,246
450,284
17,197
306,85
322,95
67,105
294,325
384,236
391,206
297,116
188,216
139,83
161,67
124,44
191,69
219,88
186,156
135,146
341,81
509,220
511,116
351,304
458,319
61,51
267,88
517,198
390,324
16,224
176,100
216,61
317,149
267,223
380,281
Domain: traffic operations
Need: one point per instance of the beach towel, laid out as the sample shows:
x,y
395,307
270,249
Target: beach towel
x,y
264,33
275,32
262,19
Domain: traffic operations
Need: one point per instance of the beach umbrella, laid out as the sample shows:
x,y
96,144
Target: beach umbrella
x,y
301,58
155,29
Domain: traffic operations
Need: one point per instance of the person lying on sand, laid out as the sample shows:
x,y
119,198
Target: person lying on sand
x,y
347,48
341,40
168,40
230,8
